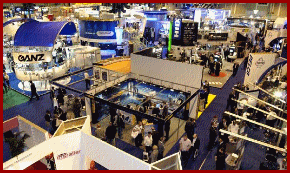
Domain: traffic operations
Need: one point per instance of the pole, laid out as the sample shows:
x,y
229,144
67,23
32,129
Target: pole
x,y
261,110
259,100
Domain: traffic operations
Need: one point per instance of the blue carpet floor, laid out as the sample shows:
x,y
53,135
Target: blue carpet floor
x,y
217,107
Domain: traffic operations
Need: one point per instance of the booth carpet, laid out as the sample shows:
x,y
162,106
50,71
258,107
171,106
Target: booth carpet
x,y
13,98
253,154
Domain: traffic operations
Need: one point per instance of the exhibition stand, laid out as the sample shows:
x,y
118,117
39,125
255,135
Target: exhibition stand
x,y
75,149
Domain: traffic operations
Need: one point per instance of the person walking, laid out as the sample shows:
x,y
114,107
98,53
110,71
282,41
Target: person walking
x,y
59,97
206,93
87,79
230,102
155,136
235,69
188,128
161,148
33,91
194,146
185,145
110,133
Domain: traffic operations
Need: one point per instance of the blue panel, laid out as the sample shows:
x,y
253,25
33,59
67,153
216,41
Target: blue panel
x,y
98,29
36,33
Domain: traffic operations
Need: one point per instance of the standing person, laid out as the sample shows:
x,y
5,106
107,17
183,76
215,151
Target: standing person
x,y
59,97
77,107
137,134
188,128
212,133
110,133
87,79
235,68
167,129
194,146
48,119
155,136
148,140
206,93
154,154
217,68
185,145
161,148
120,125
230,102
6,78
246,62
220,159
211,65
206,85
5,87
165,110
52,94
33,91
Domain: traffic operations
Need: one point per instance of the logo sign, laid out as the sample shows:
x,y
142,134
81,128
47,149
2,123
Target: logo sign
x,y
105,33
33,57
66,155
248,70
37,57
177,25
260,62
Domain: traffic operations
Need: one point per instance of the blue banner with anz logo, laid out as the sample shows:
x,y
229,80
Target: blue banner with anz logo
x,y
98,29
176,31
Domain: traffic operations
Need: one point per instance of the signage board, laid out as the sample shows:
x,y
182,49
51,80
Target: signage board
x,y
98,29
32,57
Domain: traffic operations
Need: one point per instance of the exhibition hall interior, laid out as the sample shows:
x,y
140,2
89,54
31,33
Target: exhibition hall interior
x,y
145,86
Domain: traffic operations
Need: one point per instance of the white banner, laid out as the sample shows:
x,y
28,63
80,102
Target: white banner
x,y
33,57
258,63
271,35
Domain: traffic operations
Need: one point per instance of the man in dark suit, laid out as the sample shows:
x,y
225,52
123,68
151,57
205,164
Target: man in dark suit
x,y
33,91
194,146
217,68
220,159
235,68
110,133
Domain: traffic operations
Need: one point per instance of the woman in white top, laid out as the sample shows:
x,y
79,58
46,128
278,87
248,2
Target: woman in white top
x,y
137,134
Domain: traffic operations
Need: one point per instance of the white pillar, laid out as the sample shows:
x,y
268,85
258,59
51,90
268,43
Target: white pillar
x,y
88,107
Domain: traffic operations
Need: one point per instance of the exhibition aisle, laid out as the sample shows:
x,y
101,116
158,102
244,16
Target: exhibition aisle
x,y
217,107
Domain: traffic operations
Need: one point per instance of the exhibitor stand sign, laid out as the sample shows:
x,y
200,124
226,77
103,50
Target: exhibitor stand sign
x,y
258,63
33,57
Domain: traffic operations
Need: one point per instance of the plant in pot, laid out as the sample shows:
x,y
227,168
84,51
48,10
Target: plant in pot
x,y
16,142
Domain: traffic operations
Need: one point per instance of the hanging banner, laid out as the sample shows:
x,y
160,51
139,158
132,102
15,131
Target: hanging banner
x,y
33,57
271,35
176,31
258,63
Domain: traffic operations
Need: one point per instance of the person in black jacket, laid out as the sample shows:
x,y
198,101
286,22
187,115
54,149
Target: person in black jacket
x,y
155,136
33,91
220,159
217,68
110,133
59,97
212,135
194,146
120,125
189,129
235,69
167,129
230,102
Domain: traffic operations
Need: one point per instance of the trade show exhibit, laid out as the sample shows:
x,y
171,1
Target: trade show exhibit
x,y
73,148
32,52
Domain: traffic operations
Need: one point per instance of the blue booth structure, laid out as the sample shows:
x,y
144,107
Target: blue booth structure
x,y
34,42
99,33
